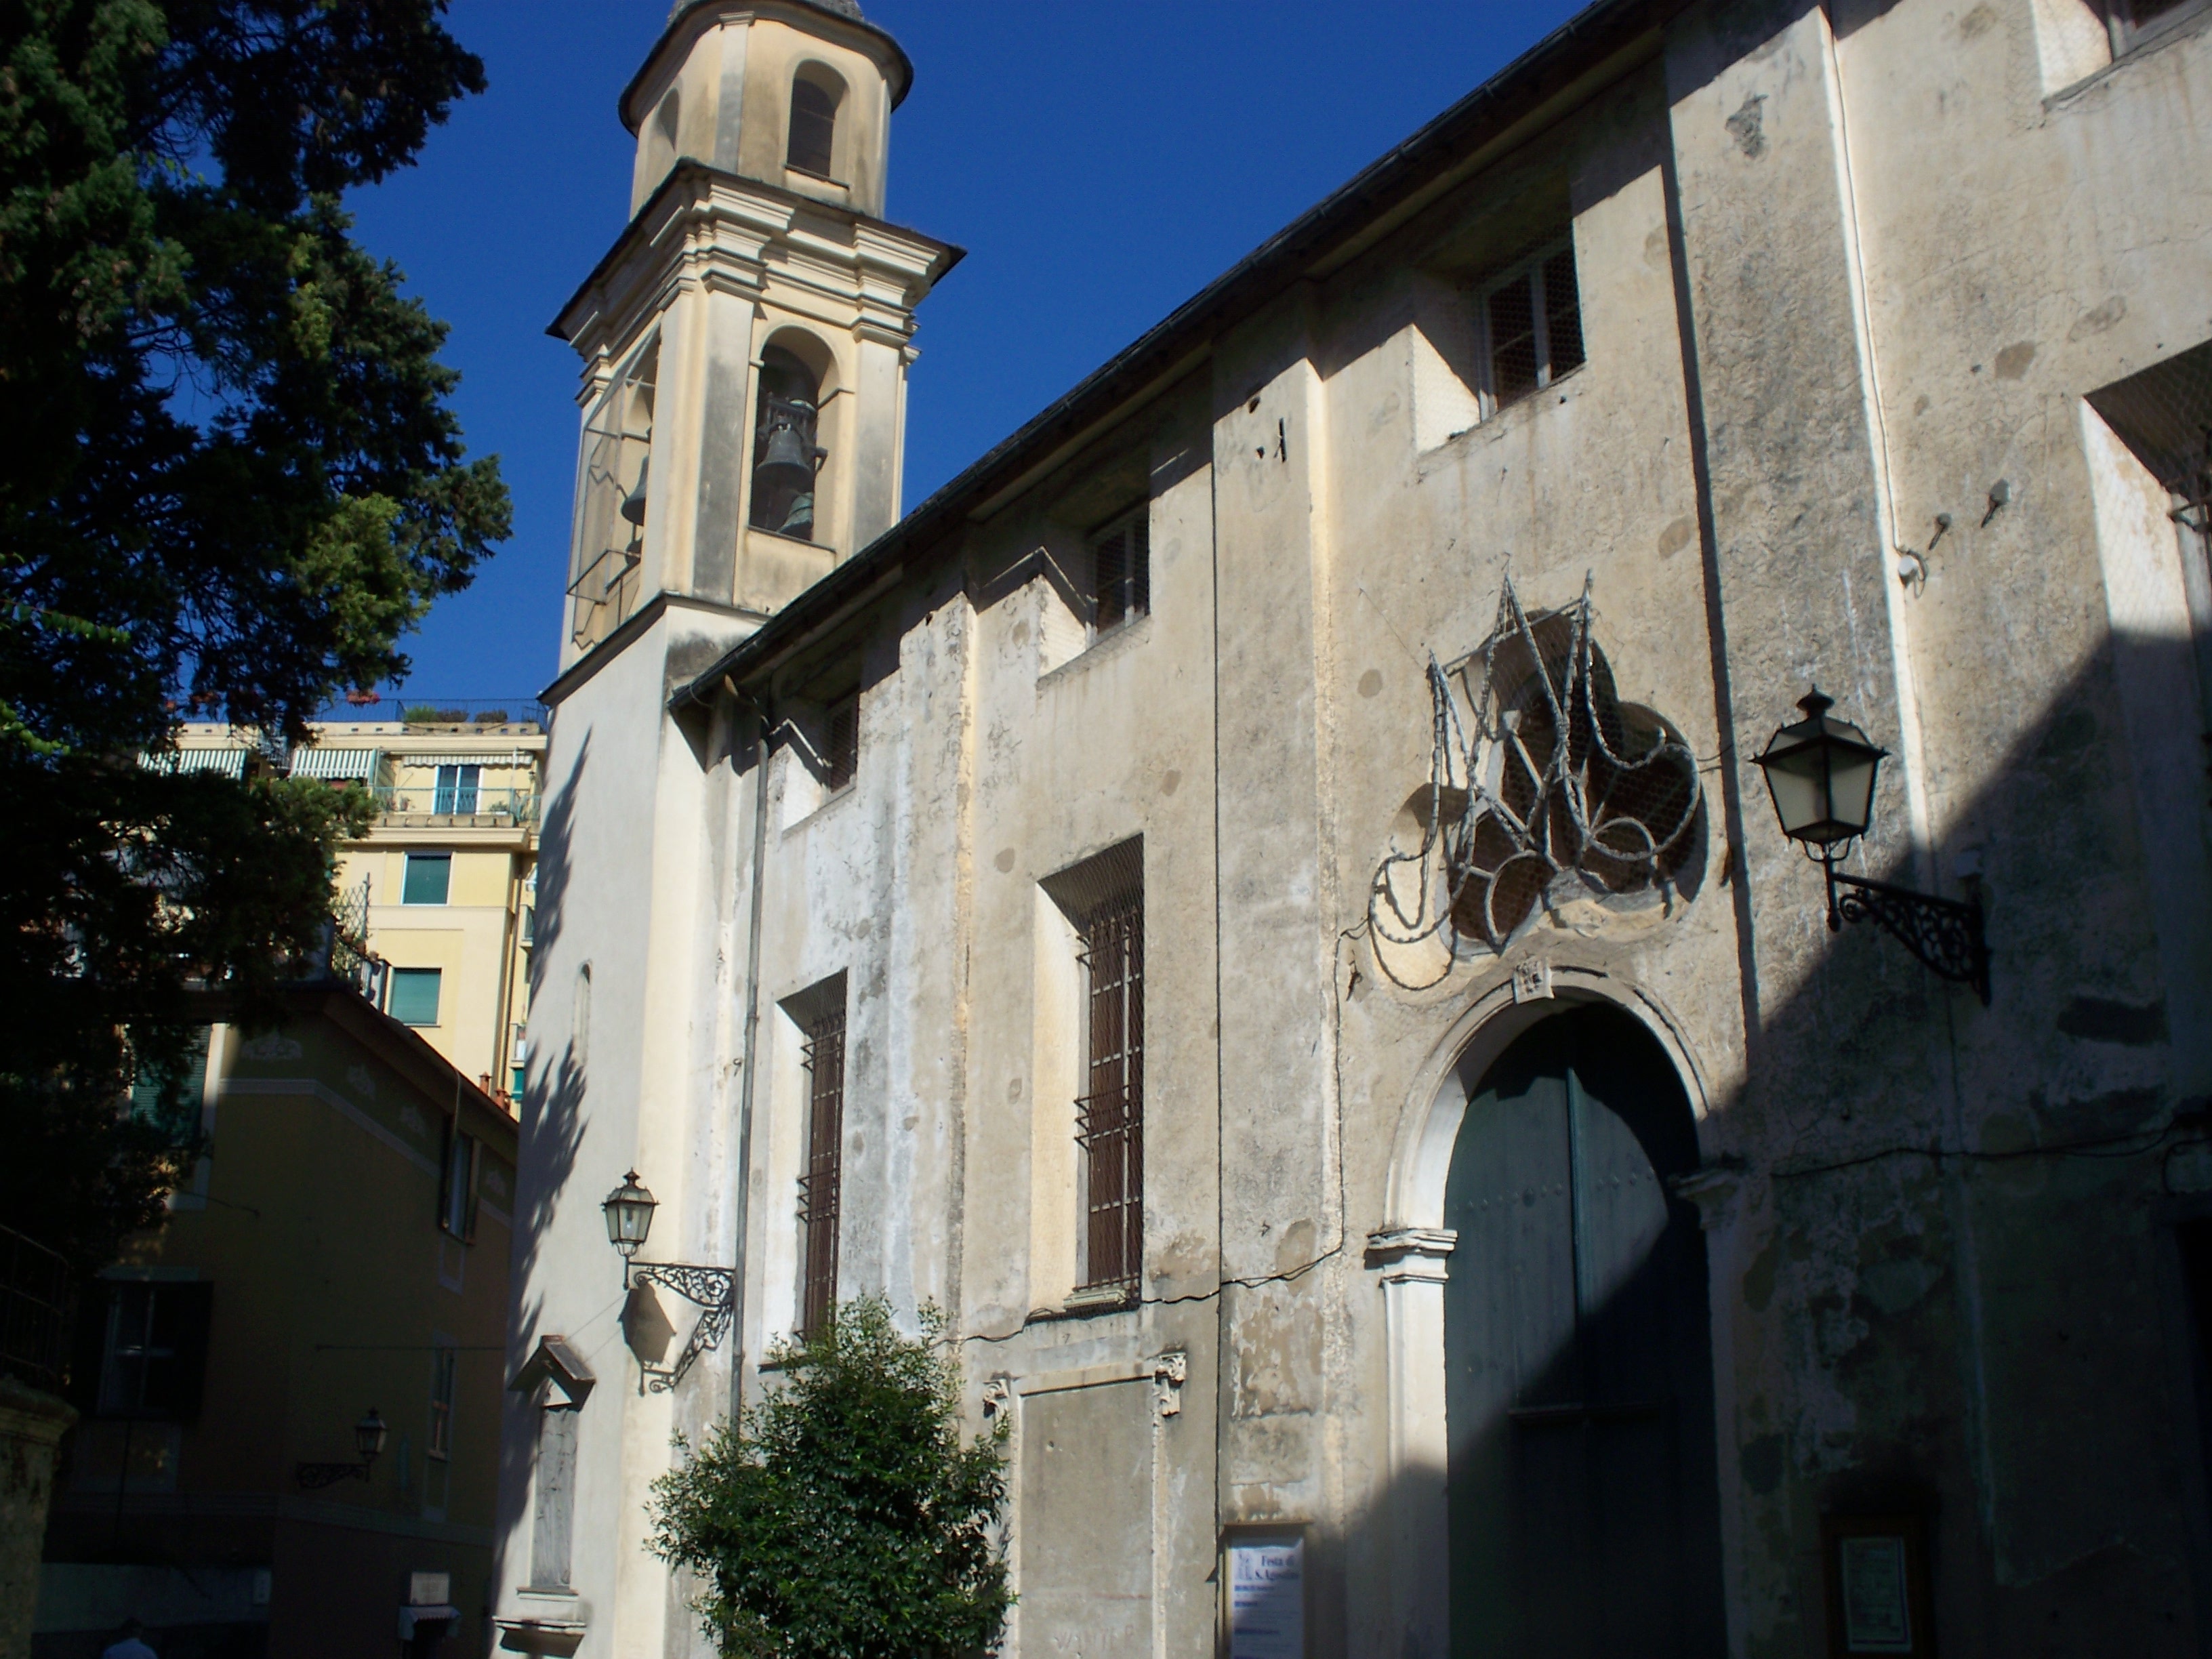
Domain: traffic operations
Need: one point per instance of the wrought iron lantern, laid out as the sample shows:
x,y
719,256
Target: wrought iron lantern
x,y
1820,772
629,1210
367,1440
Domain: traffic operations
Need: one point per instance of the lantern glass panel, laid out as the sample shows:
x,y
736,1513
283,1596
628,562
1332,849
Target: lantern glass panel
x,y
368,1434
1851,787
1798,782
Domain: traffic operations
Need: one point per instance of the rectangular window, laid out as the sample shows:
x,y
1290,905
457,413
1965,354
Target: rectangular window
x,y
457,793
444,1362
840,748
414,995
1532,319
1122,570
457,1200
819,1187
1110,1117
154,1355
429,877
167,1098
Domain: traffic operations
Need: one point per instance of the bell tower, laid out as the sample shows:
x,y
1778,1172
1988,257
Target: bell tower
x,y
745,341
744,344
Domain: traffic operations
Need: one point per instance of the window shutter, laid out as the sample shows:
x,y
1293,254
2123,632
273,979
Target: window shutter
x,y
183,1315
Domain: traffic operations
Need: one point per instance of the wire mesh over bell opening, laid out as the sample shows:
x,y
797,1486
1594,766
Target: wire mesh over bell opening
x,y
786,460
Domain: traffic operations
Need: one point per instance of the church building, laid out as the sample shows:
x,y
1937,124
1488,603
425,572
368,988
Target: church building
x,y
1517,923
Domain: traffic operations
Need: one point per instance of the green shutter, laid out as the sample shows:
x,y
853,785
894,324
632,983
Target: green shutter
x,y
429,877
415,994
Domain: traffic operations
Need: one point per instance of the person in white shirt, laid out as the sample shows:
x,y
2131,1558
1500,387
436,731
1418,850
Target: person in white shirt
x,y
130,1647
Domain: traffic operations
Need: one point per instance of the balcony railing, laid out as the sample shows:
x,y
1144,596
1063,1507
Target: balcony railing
x,y
458,803
36,1307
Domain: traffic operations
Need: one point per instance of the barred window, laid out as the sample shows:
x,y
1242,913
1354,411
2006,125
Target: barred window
x,y
841,749
1110,1117
1533,317
818,1187
1120,570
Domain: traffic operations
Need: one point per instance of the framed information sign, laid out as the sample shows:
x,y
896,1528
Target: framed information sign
x,y
1264,1593
1876,1569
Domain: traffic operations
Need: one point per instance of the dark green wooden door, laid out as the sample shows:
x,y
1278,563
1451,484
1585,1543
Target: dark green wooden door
x,y
1579,1378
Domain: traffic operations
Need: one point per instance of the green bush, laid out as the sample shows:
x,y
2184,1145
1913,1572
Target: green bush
x,y
842,1518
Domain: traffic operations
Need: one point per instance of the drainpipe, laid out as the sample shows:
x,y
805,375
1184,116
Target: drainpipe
x,y
751,1029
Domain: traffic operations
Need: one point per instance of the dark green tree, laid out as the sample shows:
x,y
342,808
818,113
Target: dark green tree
x,y
843,1518
230,481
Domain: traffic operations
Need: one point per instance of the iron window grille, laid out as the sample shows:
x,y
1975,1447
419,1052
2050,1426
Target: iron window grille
x,y
1532,325
1121,571
1110,1118
819,1187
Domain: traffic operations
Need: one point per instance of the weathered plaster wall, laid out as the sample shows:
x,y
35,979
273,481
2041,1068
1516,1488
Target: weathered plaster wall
x,y
1840,271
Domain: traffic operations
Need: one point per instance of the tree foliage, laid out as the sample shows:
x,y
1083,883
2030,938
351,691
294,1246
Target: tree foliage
x,y
230,480
843,1518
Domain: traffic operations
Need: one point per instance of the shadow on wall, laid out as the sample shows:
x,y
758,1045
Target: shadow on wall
x,y
552,1132
1951,1242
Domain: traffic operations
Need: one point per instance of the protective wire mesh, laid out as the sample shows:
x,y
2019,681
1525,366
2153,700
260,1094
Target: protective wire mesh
x,y
1552,788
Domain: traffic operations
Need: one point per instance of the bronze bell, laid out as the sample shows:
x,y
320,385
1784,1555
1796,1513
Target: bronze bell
x,y
633,507
787,466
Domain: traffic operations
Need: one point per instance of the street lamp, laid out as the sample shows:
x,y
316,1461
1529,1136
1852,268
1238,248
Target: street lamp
x,y
367,1440
1820,772
629,1210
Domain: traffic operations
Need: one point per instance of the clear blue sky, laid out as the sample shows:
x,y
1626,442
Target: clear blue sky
x,y
1100,163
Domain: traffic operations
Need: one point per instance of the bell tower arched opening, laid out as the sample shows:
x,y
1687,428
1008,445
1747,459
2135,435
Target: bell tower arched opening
x,y
788,454
1584,1505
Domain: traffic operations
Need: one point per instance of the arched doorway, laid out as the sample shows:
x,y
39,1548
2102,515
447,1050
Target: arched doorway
x,y
1583,1504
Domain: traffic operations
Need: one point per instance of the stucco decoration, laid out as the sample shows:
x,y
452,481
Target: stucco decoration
x,y
1548,798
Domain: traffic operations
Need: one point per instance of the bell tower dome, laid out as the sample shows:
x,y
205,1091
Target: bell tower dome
x,y
745,343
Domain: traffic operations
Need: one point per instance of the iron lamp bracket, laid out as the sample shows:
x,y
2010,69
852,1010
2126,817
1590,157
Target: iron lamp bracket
x,y
1945,934
712,1290
313,1476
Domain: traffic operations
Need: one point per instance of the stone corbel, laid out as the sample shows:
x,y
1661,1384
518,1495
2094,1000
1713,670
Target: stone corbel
x,y
1714,1189
1411,1255
997,1397
1170,1372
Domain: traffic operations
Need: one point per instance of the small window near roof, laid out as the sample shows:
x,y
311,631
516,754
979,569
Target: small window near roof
x,y
840,748
1533,319
414,995
813,128
429,879
1122,570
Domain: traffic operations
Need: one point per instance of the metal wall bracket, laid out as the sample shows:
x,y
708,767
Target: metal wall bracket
x,y
714,1290
1945,934
313,1476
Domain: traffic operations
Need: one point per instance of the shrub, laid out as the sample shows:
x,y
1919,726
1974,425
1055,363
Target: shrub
x,y
842,1518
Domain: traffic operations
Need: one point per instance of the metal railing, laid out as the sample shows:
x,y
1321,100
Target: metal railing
x,y
37,1308
459,803
435,712
350,958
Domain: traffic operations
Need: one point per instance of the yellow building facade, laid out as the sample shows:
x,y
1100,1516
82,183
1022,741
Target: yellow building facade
x,y
341,1246
443,890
